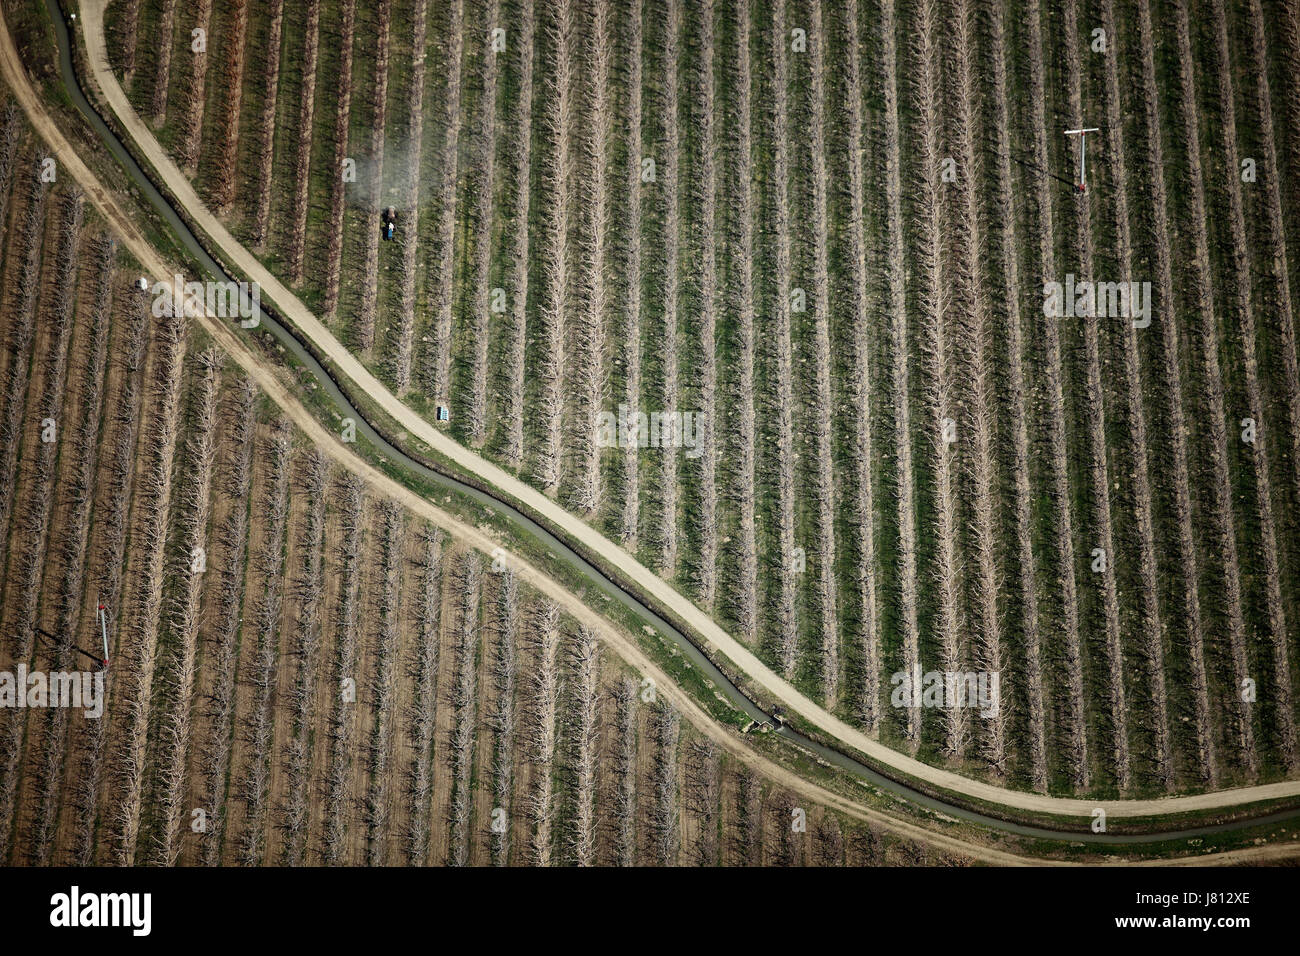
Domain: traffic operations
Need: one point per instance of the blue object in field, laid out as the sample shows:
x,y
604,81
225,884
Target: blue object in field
x,y
443,414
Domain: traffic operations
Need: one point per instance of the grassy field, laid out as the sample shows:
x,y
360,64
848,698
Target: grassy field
x,y
825,230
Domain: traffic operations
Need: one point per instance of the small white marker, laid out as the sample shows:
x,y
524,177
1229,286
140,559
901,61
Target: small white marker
x,y
103,629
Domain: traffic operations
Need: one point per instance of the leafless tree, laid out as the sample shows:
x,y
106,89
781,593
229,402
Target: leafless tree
x,y
422,670
10,134
502,718
581,717
106,554
342,117
555,175
464,703
364,329
162,65
1099,523
860,491
184,612
231,100
1279,319
193,94
970,308
592,217
29,537
257,733
518,196
19,305
823,612
403,331
829,843
379,747
664,823
1151,628
78,480
1003,244
701,793
622,815
627,255
1185,562
784,628
662,269
543,697
941,411
341,730
127,20
701,186
438,375
308,592
1069,698
482,183
139,645
295,250
895,320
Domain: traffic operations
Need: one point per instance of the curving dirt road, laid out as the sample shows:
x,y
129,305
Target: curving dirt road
x,y
606,551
